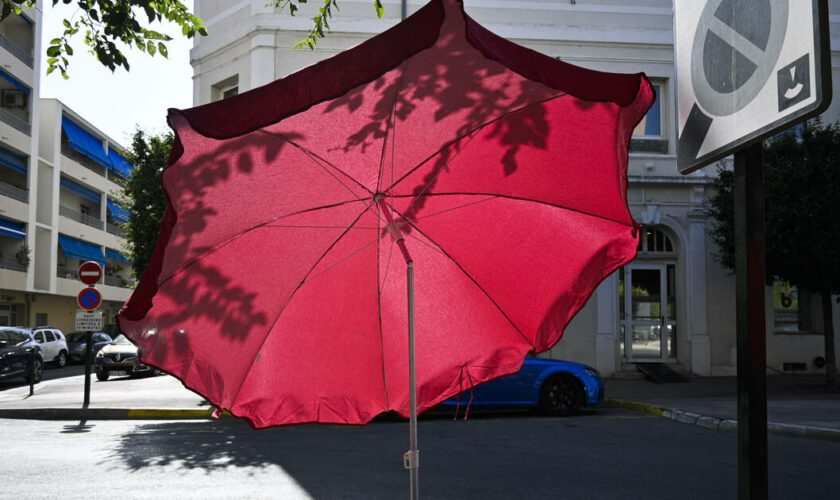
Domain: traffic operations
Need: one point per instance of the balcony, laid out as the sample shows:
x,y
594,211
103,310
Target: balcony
x,y
17,123
17,51
115,230
83,218
18,194
83,160
118,282
12,263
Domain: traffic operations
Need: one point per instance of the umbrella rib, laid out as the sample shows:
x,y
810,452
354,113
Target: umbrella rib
x,y
471,278
381,283
389,132
508,197
317,159
236,236
289,301
468,133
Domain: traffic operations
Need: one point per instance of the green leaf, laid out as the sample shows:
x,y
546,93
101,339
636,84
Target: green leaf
x,y
380,10
54,51
68,49
163,50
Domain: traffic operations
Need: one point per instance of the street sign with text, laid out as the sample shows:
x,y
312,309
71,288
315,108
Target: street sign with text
x,y
746,69
89,321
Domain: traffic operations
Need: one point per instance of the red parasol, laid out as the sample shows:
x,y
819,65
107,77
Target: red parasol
x,y
276,288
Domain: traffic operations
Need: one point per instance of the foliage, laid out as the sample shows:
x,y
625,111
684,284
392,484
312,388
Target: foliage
x,y
143,196
321,20
22,255
802,193
802,234
106,22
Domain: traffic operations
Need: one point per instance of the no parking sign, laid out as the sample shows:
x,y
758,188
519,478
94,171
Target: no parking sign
x,y
746,69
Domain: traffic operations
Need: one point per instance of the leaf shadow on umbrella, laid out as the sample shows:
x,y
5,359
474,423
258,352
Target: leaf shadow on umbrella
x,y
231,307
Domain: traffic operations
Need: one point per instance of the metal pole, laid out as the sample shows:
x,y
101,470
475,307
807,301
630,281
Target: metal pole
x,y
88,351
751,332
414,460
404,9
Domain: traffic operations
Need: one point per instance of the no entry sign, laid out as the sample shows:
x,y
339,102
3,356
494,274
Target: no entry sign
x,y
746,69
90,272
89,299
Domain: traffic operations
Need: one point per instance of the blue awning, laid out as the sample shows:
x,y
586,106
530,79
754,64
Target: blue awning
x,y
12,229
14,81
119,165
85,143
13,161
115,255
117,212
82,250
79,190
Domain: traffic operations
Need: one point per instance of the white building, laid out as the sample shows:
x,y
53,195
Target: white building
x,y
57,181
251,45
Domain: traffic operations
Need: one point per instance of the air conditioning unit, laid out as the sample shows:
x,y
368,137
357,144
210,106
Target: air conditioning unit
x,y
12,98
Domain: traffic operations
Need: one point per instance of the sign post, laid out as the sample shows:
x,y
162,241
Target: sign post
x,y
90,320
748,69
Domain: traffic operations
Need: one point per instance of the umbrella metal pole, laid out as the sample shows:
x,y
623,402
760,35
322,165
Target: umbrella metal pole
x,y
412,457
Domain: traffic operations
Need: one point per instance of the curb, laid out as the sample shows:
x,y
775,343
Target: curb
x,y
722,425
108,413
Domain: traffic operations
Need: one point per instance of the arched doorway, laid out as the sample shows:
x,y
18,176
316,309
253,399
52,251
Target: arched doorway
x,y
648,300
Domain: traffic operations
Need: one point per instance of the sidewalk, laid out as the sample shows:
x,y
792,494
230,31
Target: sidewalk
x,y
796,404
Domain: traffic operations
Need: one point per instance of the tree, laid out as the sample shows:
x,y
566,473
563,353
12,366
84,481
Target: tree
x,y
106,22
802,193
321,20
143,196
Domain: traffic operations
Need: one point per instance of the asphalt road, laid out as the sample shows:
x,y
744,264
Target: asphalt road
x,y
599,455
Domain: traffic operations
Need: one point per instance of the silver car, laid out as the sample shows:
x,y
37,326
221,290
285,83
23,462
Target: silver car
x,y
118,359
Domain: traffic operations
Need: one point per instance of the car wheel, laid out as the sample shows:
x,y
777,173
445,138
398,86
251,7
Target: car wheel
x,y
561,395
61,359
102,376
34,376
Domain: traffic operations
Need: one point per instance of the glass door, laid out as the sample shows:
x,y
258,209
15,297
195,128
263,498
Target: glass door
x,y
650,316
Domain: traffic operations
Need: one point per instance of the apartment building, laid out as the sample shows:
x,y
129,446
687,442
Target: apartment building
x,y
58,179
674,304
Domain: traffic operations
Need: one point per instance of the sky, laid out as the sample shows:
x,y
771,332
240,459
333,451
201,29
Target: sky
x,y
117,103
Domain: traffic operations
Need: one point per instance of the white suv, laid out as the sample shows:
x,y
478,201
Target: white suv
x,y
53,344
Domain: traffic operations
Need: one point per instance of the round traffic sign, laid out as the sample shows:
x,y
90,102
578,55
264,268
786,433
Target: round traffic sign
x,y
89,299
735,50
90,272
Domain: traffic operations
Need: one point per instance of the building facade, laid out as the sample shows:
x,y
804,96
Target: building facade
x,y
674,304
59,177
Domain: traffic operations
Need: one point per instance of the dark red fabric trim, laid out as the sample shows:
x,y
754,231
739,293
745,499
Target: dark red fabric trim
x,y
320,82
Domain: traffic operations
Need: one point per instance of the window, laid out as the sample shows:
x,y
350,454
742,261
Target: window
x,y
84,209
651,124
655,240
50,336
225,89
39,337
41,319
648,136
230,92
791,309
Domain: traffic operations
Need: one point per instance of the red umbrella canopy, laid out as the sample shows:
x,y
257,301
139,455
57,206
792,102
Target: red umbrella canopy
x,y
276,291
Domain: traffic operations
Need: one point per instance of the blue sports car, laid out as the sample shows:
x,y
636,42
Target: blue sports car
x,y
555,386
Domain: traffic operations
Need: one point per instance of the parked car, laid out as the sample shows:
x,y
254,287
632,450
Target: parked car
x,y
77,344
555,386
20,355
119,358
53,344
